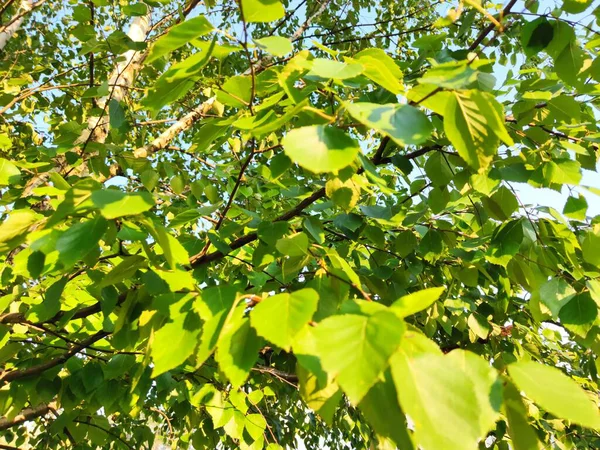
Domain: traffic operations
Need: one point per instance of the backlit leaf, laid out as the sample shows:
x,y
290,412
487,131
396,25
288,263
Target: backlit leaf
x,y
558,394
355,349
320,148
293,311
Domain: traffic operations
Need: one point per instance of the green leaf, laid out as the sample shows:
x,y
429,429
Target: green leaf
x,y
136,9
116,114
9,173
79,240
438,169
579,314
563,35
124,270
576,207
149,179
380,408
344,194
255,425
502,204
131,232
35,263
295,245
405,243
479,325
317,389
555,294
506,241
417,301
178,36
450,75
262,10
192,215
320,149
51,304
522,434
114,203
175,342
432,245
280,318
380,68
536,35
428,96
271,232
321,397
405,124
569,63
14,229
576,6
236,91
275,45
562,171
5,142
315,229
355,350
177,81
118,365
174,252
472,124
214,310
590,246
238,347
555,392
328,68
445,393
438,198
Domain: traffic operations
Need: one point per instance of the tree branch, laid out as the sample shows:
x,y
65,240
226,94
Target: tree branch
x,y
292,378
82,313
487,30
201,259
7,377
25,415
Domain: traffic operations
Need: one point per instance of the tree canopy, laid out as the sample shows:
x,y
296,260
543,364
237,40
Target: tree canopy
x,y
299,224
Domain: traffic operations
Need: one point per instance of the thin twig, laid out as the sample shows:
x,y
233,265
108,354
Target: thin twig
x,y
164,415
110,432
21,14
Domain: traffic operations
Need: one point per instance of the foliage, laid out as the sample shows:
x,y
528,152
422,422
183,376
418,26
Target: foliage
x,y
272,223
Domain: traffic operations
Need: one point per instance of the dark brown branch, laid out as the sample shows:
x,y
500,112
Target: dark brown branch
x,y
373,24
188,9
79,314
201,259
7,377
286,18
238,182
487,30
379,153
25,415
292,378
91,6
375,36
